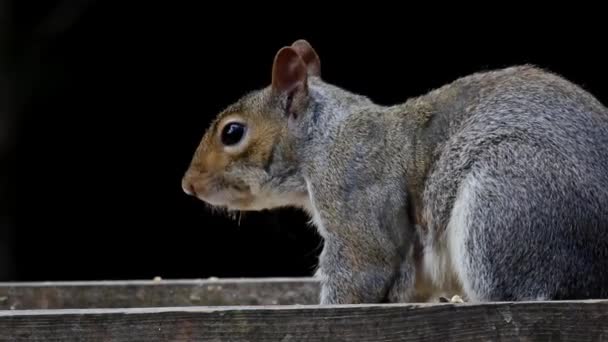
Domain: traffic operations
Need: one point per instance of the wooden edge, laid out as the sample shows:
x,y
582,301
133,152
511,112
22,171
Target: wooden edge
x,y
553,320
317,307
162,293
202,281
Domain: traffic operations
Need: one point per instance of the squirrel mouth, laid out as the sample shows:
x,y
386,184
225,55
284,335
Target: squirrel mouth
x,y
229,198
219,192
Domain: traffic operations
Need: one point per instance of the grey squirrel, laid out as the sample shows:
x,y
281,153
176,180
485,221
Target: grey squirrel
x,y
494,186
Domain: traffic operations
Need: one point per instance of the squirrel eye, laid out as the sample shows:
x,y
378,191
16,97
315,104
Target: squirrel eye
x,y
232,133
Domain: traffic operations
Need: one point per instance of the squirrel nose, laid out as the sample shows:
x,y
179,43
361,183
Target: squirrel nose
x,y
188,187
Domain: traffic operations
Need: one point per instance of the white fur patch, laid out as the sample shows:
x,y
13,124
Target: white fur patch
x,y
443,258
313,212
436,264
458,229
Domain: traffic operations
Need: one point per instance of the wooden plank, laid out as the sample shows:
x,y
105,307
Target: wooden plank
x,y
555,321
143,293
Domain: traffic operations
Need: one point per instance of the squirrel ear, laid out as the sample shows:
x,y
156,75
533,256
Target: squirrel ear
x,y
309,56
288,71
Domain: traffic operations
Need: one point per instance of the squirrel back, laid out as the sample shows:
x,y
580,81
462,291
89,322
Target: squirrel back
x,y
492,186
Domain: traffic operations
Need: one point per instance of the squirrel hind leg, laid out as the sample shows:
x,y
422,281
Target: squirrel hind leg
x,y
516,236
484,249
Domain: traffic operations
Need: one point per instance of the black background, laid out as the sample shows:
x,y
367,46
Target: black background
x,y
112,99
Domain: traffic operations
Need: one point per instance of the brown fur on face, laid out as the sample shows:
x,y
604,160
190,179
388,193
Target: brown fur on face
x,y
259,171
232,176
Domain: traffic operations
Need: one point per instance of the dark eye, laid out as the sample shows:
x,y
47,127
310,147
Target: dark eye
x,y
233,133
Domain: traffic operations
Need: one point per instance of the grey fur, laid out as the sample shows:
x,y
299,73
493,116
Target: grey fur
x,y
521,151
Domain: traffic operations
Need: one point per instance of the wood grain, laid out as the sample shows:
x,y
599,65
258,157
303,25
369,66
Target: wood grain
x,y
131,294
523,321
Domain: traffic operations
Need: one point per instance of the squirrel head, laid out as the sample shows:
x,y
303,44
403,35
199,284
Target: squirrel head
x,y
246,159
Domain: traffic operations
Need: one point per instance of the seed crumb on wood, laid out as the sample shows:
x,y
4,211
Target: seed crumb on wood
x,y
454,299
